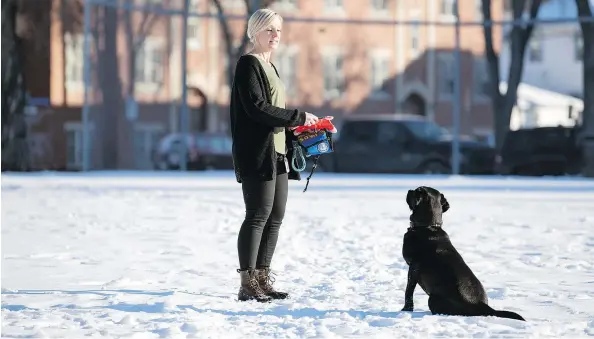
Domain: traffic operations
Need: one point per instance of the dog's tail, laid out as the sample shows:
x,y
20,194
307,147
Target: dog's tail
x,y
502,314
509,315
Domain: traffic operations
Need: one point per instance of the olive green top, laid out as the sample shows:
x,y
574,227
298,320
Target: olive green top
x,y
277,89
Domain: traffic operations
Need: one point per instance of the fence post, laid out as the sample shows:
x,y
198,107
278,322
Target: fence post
x,y
184,94
456,107
86,139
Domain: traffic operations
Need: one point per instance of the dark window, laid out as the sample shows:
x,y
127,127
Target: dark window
x,y
391,133
361,131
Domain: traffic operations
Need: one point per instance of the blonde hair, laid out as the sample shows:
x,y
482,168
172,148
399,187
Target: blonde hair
x,y
259,21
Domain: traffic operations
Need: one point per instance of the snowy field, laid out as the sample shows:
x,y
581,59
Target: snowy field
x,y
148,255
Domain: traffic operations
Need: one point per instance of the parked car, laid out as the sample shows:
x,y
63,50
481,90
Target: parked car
x,y
203,151
402,143
540,151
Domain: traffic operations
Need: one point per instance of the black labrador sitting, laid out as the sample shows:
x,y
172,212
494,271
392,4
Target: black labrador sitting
x,y
436,266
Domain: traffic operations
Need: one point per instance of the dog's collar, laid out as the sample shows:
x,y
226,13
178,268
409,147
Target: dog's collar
x,y
413,225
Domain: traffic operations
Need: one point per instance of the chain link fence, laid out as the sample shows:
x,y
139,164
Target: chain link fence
x,y
142,85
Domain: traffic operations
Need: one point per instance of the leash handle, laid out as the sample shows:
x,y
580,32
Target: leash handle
x,y
298,152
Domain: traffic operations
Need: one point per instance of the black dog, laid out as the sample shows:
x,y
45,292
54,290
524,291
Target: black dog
x,y
436,266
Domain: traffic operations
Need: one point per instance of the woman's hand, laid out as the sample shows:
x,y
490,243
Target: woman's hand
x,y
310,119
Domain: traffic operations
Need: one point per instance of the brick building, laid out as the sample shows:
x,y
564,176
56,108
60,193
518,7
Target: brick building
x,y
330,68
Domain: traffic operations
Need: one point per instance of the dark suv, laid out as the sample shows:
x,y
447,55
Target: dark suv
x,y
540,151
402,144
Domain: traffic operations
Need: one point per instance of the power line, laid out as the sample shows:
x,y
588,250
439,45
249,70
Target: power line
x,y
160,10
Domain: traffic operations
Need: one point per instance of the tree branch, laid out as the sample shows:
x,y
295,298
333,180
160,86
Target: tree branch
x,y
520,37
492,56
534,7
584,11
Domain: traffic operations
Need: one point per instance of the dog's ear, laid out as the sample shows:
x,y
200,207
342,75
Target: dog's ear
x,y
412,199
445,205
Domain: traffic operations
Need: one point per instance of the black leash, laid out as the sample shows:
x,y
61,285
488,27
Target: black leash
x,y
313,169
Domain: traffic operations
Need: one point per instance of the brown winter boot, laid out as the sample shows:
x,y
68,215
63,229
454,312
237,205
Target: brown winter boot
x,y
250,290
265,281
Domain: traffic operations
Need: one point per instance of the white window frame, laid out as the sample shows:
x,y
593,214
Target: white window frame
x,y
446,69
235,4
446,9
286,61
333,73
379,73
415,37
77,128
480,79
379,7
74,60
141,75
194,27
334,6
285,5
478,8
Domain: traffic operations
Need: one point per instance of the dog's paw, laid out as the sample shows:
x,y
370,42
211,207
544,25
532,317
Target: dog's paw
x,y
407,308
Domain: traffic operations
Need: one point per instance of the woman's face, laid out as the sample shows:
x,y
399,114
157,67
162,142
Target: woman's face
x,y
269,38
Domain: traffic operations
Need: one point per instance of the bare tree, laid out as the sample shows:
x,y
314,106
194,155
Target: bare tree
x,y
104,27
233,52
585,11
15,155
135,39
503,103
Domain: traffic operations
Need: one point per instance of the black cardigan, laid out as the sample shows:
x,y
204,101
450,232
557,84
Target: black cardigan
x,y
253,119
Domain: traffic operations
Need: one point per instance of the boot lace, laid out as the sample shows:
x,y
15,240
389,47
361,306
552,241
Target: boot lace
x,y
267,280
255,286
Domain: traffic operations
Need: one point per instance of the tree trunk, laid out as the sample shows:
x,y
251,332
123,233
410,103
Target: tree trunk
x,y
503,103
15,149
587,135
111,88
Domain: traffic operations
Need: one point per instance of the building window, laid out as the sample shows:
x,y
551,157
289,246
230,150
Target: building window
x,y
286,3
379,74
481,82
149,63
446,71
193,33
333,74
233,3
447,7
478,7
379,5
535,47
194,26
74,59
286,64
333,4
414,39
578,42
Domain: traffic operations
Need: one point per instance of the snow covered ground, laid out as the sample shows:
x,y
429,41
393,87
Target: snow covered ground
x,y
143,255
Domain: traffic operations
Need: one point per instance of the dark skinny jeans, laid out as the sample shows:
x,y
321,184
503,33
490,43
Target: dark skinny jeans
x,y
265,203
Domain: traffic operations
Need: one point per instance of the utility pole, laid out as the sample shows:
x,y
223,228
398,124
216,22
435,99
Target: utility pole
x,y
184,95
457,78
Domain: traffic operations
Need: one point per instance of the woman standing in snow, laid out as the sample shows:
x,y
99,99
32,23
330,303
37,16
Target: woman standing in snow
x,y
262,148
